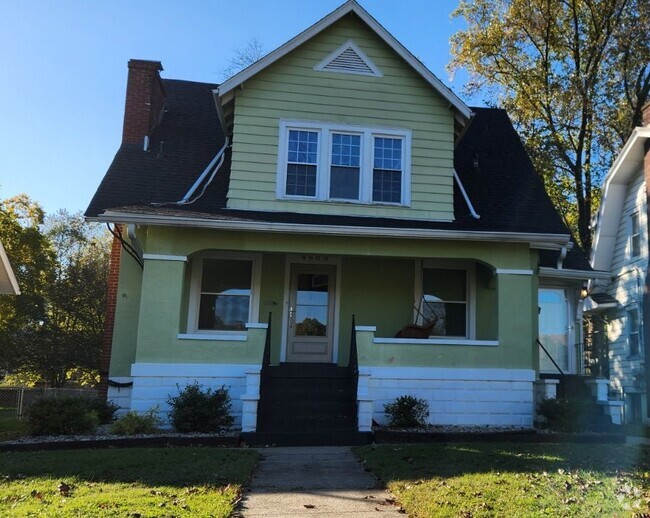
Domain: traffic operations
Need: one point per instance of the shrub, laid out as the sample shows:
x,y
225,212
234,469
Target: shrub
x,y
569,414
133,423
105,409
199,410
407,412
61,416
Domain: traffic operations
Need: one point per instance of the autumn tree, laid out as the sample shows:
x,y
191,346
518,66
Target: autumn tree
x,y
573,75
53,329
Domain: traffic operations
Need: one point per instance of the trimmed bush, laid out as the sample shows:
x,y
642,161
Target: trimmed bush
x,y
61,416
569,414
134,423
407,412
200,410
105,409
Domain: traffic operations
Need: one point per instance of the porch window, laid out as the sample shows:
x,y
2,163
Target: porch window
x,y
223,293
633,332
445,299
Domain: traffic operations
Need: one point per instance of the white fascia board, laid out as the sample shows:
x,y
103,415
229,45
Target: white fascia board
x,y
628,161
582,275
556,241
349,7
8,282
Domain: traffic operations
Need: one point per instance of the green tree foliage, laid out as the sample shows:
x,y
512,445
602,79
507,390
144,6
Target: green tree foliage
x,y
573,75
54,328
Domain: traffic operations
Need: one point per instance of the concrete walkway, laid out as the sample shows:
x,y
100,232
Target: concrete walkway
x,y
314,481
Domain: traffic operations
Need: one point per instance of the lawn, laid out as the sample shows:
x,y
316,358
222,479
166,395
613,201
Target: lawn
x,y
480,480
134,482
10,426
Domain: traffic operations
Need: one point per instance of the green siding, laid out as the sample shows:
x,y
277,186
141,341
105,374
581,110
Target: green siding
x,y
291,89
377,286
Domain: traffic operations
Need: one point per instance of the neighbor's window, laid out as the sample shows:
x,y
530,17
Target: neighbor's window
x,y
336,162
444,299
633,332
635,235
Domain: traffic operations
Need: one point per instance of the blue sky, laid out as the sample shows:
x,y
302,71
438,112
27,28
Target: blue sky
x,y
63,67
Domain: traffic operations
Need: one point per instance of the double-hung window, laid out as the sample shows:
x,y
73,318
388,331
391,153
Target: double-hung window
x,y
635,235
445,293
633,332
223,297
344,163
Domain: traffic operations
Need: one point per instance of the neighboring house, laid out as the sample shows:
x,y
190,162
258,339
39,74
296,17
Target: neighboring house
x,y
338,188
8,282
621,247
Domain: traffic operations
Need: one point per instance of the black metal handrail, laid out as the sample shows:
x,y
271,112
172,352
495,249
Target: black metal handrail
x,y
550,357
353,364
266,363
266,357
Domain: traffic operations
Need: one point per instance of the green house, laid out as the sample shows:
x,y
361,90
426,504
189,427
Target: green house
x,y
329,229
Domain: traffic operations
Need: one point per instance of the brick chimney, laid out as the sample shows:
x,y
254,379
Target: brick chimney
x,y
145,101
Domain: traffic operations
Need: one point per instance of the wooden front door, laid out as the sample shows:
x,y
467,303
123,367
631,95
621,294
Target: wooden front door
x,y
310,336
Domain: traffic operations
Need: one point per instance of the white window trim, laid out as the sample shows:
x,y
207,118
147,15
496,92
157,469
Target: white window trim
x,y
325,129
470,271
195,293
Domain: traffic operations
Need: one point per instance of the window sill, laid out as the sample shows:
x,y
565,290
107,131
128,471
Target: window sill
x,y
213,337
343,202
437,341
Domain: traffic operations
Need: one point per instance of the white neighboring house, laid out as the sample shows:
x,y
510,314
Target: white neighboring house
x,y
621,247
8,282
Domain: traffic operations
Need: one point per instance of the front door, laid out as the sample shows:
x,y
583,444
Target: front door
x,y
553,330
311,313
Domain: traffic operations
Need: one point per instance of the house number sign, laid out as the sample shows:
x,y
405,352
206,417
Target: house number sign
x,y
315,258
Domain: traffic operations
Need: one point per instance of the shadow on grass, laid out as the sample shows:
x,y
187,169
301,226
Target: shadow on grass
x,y
177,467
413,462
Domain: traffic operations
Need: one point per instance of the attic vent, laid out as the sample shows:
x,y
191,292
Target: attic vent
x,y
349,59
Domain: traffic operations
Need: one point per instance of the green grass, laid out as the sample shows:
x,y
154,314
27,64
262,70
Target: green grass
x,y
481,480
143,482
10,426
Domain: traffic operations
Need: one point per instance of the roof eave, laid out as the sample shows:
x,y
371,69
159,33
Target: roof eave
x,y
349,7
546,241
14,289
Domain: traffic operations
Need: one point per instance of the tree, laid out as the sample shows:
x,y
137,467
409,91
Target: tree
x,y
55,326
244,57
573,75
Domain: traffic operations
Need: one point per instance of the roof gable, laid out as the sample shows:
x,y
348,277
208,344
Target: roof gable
x,y
351,6
627,163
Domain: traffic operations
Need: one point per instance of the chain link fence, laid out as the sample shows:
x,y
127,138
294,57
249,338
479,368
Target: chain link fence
x,y
14,401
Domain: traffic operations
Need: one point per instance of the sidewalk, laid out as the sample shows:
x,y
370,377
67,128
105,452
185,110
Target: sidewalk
x,y
314,481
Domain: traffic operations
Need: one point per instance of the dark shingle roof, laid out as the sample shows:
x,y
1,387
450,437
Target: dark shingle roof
x,y
490,160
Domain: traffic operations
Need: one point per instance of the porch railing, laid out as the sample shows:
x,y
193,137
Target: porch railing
x,y
550,357
353,364
266,363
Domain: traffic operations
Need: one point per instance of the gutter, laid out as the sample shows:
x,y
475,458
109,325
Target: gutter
x,y
545,271
546,241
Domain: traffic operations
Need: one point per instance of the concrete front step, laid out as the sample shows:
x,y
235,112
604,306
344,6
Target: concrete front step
x,y
347,437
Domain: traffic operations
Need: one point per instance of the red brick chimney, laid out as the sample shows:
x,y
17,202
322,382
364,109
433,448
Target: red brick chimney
x,y
145,101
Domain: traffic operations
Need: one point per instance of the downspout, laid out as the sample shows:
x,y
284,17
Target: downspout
x,y
204,174
464,193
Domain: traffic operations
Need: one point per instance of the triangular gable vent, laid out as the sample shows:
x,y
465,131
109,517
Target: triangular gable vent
x,y
349,59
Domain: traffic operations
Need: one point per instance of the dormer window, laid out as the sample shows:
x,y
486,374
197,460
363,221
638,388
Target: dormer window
x,y
343,163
